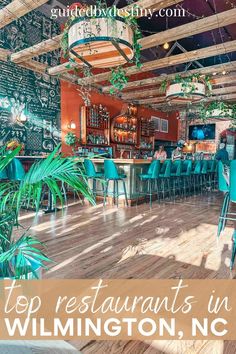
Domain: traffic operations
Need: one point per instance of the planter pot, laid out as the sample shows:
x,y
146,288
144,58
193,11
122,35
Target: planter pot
x,y
37,269
91,40
179,93
219,114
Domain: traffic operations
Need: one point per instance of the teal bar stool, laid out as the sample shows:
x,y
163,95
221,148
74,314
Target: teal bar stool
x,y
223,187
92,174
230,197
195,175
186,176
176,170
3,174
165,177
15,170
111,174
203,175
211,170
150,178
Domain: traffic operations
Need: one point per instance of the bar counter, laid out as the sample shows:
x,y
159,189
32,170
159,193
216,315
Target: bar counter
x,y
131,168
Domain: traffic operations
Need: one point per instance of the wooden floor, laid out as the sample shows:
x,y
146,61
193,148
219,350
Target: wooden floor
x,y
171,240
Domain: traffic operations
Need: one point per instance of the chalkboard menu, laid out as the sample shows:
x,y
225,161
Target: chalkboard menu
x,y
27,94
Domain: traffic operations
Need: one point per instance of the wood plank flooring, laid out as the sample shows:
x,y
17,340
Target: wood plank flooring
x,y
171,240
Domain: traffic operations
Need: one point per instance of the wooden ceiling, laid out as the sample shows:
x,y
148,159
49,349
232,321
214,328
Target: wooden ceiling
x,y
146,91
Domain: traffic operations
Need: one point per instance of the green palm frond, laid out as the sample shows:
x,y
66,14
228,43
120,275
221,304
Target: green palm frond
x,y
6,158
22,256
18,257
49,173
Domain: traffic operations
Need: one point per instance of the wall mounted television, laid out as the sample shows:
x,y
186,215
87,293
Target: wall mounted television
x,y
202,132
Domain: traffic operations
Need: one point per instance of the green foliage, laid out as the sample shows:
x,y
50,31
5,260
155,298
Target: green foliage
x,y
70,139
19,255
118,79
224,109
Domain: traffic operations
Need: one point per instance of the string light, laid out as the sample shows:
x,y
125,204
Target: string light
x,y
223,72
166,45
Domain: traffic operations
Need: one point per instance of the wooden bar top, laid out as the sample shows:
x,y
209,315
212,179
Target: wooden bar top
x,y
97,160
126,161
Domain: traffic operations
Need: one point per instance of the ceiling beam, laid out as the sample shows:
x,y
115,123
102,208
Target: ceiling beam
x,y
227,97
173,60
17,9
152,5
141,93
230,66
215,92
41,48
205,24
225,90
225,79
37,66
54,43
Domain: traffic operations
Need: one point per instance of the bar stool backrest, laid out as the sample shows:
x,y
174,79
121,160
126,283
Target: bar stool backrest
x,y
223,186
187,167
3,174
166,168
89,168
15,170
197,167
110,170
204,166
154,169
176,167
232,189
211,165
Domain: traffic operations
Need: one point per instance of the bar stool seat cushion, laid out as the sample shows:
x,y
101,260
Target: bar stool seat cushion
x,y
98,175
120,176
15,170
146,176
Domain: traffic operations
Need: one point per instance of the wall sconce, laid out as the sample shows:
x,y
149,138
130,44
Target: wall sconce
x,y
72,125
22,118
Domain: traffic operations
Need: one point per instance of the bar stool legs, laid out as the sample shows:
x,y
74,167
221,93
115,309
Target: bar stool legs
x,y
233,250
115,193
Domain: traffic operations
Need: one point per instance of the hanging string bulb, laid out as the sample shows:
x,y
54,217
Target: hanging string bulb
x,y
166,45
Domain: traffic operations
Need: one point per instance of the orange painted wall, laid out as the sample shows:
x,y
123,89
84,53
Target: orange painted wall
x,y
71,103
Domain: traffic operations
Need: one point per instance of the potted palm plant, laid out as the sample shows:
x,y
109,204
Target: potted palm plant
x,y
23,257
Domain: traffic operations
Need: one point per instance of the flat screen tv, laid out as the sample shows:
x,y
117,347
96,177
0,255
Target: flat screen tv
x,y
202,132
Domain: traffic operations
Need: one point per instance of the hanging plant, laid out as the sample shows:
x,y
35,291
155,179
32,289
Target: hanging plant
x,y
218,110
190,88
103,40
118,80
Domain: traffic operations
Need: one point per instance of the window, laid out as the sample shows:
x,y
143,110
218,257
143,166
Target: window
x,y
156,121
164,126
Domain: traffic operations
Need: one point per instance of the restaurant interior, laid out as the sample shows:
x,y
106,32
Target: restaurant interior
x,y
118,146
